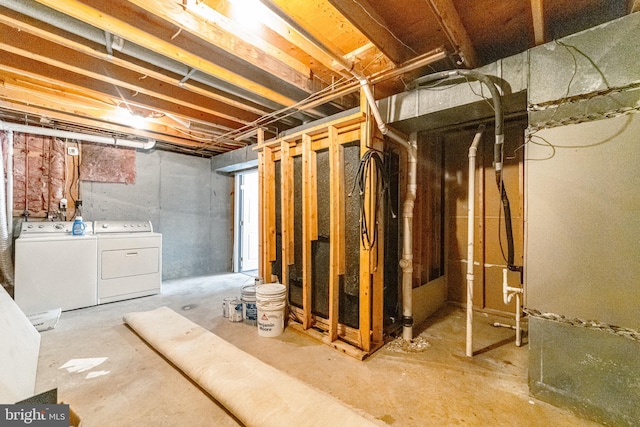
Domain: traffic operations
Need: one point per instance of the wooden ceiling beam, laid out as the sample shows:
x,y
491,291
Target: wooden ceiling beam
x,y
126,62
212,27
537,13
278,24
130,32
114,82
68,83
37,49
364,17
61,106
449,19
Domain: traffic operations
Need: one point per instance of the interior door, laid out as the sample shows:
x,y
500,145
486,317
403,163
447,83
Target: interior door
x,y
249,216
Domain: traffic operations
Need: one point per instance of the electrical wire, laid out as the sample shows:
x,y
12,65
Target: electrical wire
x,y
371,161
531,135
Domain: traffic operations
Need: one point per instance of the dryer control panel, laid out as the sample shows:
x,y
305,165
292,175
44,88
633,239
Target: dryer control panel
x,y
101,227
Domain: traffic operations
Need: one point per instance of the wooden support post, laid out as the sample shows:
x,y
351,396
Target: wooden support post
x,y
309,224
262,233
286,209
365,253
267,203
480,280
377,301
337,228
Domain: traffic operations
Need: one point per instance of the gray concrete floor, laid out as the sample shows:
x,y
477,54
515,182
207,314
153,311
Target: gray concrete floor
x,y
438,386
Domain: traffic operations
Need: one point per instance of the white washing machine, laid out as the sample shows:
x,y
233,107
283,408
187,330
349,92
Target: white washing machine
x,y
129,260
53,268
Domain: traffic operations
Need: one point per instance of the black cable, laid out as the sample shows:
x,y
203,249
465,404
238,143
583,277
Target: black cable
x,y
371,157
498,154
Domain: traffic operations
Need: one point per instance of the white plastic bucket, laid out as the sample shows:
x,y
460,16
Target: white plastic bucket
x,y
226,303
235,310
250,311
271,301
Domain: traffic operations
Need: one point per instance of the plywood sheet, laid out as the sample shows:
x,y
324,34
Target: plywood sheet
x,y
19,352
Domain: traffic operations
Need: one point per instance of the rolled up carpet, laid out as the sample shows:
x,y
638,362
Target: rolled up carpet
x,y
253,391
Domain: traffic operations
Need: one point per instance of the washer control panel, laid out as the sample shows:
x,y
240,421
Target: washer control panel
x,y
51,227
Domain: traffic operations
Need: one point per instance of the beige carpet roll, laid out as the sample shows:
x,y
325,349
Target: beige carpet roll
x,y
256,393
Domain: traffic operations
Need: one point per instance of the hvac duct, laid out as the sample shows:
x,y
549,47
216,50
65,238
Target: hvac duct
x,y
6,263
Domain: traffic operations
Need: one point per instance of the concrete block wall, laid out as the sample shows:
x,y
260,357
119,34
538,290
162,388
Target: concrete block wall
x,y
174,191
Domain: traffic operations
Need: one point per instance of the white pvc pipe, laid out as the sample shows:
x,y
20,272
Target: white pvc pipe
x,y
80,136
473,149
518,329
406,263
507,294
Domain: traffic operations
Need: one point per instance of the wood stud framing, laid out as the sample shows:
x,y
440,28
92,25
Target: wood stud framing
x,y
337,219
309,225
332,136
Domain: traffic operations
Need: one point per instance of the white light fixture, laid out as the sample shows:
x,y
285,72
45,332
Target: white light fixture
x,y
248,13
131,118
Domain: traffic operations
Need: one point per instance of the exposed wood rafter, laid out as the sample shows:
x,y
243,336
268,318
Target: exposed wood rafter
x,y
79,10
124,62
364,17
220,69
537,12
220,31
450,21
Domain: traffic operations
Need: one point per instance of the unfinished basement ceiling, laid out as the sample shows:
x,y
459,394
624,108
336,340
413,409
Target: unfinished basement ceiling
x,y
202,75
